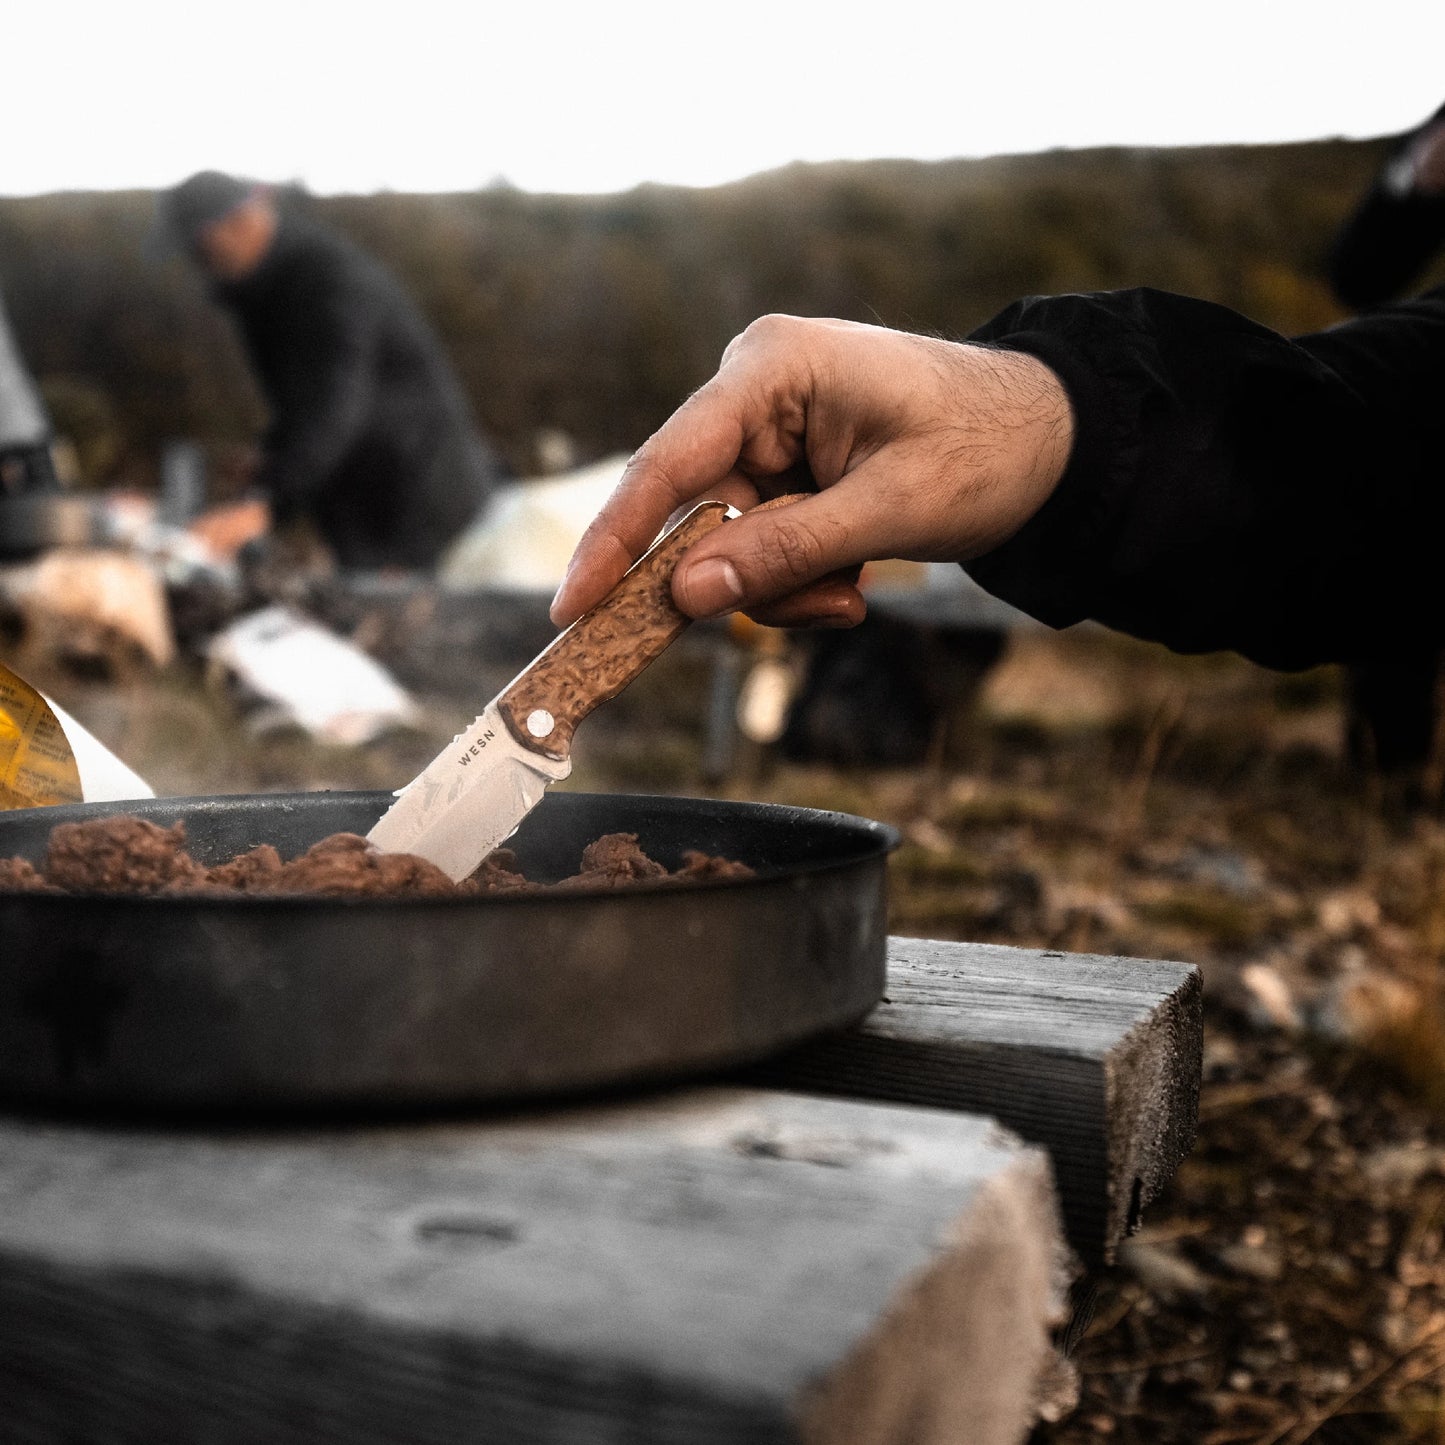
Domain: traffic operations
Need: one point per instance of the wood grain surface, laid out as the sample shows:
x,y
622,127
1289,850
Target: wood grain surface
x,y
600,653
720,1265
1096,1058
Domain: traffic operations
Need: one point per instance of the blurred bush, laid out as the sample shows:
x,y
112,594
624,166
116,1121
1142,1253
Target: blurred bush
x,y
597,315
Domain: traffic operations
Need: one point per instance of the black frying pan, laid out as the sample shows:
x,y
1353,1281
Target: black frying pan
x,y
262,1002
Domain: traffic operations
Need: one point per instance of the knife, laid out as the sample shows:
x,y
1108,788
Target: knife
x,y
471,797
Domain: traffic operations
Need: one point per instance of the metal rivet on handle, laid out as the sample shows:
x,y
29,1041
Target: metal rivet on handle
x,y
540,722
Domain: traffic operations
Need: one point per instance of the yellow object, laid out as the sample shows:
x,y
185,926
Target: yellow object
x,y
37,765
770,641
894,572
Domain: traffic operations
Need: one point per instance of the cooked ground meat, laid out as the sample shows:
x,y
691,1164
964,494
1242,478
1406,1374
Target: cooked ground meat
x,y
251,872
499,873
18,875
614,861
347,863
130,855
118,855
696,865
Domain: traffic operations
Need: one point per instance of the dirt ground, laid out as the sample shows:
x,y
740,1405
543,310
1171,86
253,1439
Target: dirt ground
x,y
1108,797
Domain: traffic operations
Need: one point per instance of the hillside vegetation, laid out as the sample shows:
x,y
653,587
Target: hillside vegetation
x,y
597,315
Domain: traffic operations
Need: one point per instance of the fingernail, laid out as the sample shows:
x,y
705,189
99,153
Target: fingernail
x,y
710,586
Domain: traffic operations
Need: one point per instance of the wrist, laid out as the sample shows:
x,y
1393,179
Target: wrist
x,y
1022,420
1048,415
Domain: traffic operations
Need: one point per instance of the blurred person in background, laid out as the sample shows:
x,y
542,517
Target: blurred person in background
x,y
1399,226
25,459
1160,464
370,439
1393,702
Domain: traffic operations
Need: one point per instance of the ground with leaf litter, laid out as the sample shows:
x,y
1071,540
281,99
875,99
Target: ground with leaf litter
x,y
1107,797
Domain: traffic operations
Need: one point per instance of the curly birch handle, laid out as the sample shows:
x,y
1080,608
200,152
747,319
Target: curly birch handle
x,y
600,653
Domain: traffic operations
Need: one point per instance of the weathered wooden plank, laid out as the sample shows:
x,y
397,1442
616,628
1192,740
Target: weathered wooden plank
x,y
1096,1058
714,1266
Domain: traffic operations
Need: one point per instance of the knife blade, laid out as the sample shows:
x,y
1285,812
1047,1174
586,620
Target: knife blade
x,y
473,795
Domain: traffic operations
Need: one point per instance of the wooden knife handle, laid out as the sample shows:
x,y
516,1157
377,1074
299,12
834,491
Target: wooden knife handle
x,y
600,653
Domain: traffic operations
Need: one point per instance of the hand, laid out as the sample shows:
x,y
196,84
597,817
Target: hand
x,y
915,448
229,528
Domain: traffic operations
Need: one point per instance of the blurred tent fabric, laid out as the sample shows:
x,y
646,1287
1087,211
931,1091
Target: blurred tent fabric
x,y
25,461
23,421
529,531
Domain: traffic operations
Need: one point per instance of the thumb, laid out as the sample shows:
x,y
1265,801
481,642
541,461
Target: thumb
x,y
770,552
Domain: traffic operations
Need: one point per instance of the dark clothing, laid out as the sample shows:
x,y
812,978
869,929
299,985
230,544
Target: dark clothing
x,y
1393,234
370,434
1392,704
1233,488
27,469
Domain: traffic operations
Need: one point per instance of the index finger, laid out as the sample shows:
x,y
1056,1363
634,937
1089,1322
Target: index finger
x,y
692,455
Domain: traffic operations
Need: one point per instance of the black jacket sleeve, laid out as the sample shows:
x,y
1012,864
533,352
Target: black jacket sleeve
x,y
1231,488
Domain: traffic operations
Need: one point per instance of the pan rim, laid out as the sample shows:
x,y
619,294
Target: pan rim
x,y
876,840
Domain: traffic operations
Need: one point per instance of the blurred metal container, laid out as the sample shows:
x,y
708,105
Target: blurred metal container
x,y
183,482
35,522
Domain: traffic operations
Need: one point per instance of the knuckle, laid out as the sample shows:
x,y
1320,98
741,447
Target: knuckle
x,y
766,332
636,463
603,538
797,551
650,473
665,482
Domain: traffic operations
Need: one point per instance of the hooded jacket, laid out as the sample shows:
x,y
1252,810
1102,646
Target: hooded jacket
x,y
1232,488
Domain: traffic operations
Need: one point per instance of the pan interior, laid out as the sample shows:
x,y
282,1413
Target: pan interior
x,y
770,838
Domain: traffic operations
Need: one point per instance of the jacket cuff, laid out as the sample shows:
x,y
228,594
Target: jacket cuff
x,y
1045,568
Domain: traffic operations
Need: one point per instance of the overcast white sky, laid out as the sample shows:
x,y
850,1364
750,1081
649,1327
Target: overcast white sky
x,y
424,95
